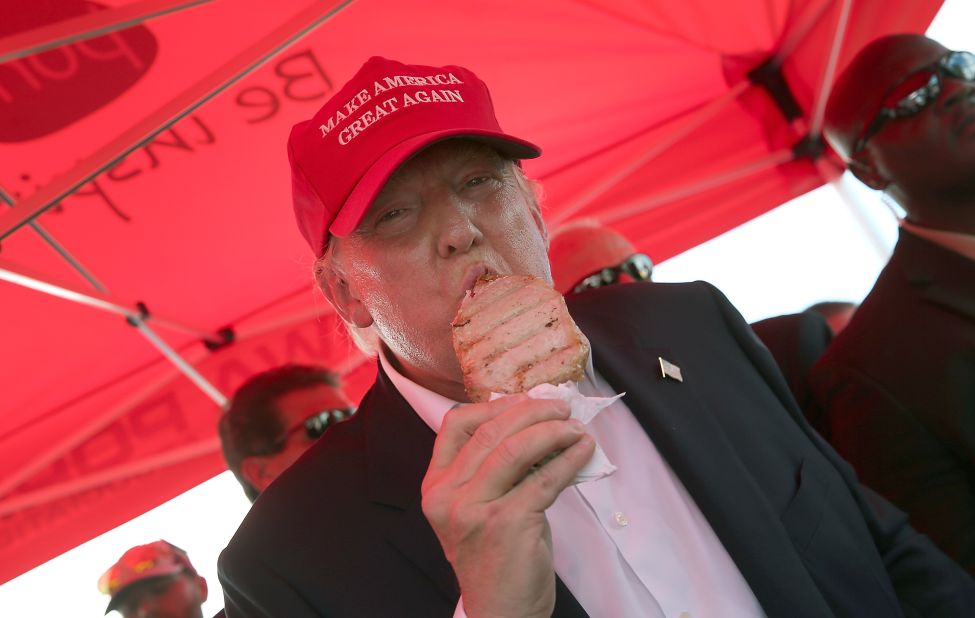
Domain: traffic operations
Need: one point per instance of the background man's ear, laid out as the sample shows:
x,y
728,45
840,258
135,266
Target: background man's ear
x,y
863,168
202,588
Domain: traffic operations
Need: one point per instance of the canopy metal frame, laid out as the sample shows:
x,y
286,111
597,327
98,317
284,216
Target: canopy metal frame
x,y
25,212
811,129
88,26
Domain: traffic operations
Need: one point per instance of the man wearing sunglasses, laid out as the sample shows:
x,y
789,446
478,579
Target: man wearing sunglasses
x,y
274,417
898,384
586,255
724,502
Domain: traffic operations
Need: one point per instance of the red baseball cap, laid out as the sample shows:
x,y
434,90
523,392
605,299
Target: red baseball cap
x,y
142,562
387,112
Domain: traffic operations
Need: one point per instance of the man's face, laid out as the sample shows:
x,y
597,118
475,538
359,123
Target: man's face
x,y
931,152
176,596
294,408
454,212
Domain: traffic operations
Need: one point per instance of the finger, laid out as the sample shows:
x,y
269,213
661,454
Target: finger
x,y
460,423
539,490
514,457
489,435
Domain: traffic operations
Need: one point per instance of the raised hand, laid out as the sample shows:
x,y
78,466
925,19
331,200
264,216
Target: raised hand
x,y
488,508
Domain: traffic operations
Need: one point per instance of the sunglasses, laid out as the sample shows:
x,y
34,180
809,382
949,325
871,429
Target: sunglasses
x,y
316,424
638,266
917,91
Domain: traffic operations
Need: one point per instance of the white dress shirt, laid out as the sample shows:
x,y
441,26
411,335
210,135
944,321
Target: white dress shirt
x,y
633,543
959,242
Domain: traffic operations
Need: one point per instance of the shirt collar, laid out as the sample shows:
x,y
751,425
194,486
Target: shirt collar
x,y
428,405
959,242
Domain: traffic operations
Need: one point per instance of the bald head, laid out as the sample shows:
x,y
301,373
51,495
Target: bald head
x,y
582,248
862,86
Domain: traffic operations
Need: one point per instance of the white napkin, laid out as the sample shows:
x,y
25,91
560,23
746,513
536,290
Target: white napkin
x,y
583,409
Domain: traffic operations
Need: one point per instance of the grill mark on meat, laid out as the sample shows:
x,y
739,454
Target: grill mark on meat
x,y
497,313
520,358
487,289
516,331
516,336
570,359
483,316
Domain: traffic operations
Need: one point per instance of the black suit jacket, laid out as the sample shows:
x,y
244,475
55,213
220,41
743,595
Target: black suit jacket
x,y
898,387
341,533
796,341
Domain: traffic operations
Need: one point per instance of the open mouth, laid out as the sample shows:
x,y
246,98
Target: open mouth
x,y
473,273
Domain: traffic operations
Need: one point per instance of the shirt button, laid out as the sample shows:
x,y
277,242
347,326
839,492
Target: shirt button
x,y
621,519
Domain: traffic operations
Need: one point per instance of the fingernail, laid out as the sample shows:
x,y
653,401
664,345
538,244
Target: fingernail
x,y
576,426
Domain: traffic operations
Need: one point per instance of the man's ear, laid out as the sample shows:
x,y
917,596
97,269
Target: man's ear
x,y
252,468
202,588
862,166
345,301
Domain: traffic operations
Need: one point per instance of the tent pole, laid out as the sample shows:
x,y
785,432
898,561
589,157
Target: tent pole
x,y
70,259
691,122
798,34
164,117
188,370
826,83
58,247
87,26
17,275
640,206
135,317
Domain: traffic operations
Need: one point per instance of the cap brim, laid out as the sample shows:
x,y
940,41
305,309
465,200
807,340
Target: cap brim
x,y
365,191
122,592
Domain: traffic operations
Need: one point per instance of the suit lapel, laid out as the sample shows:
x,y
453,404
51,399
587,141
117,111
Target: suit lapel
x,y
399,445
943,277
700,454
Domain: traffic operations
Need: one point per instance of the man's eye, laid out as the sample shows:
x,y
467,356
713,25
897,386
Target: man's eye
x,y
389,215
477,180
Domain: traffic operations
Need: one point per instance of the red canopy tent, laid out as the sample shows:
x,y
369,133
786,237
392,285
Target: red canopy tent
x,y
148,253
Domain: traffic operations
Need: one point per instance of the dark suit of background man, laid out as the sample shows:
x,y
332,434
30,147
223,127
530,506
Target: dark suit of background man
x,y
898,384
724,503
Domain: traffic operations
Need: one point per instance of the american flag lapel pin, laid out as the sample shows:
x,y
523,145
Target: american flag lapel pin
x,y
669,370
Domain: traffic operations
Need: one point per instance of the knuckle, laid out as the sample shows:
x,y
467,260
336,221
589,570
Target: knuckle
x,y
545,478
487,435
508,453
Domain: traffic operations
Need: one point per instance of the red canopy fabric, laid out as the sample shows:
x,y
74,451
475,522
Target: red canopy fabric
x,y
673,122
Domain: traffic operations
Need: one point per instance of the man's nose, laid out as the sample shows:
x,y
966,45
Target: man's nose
x,y
458,231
